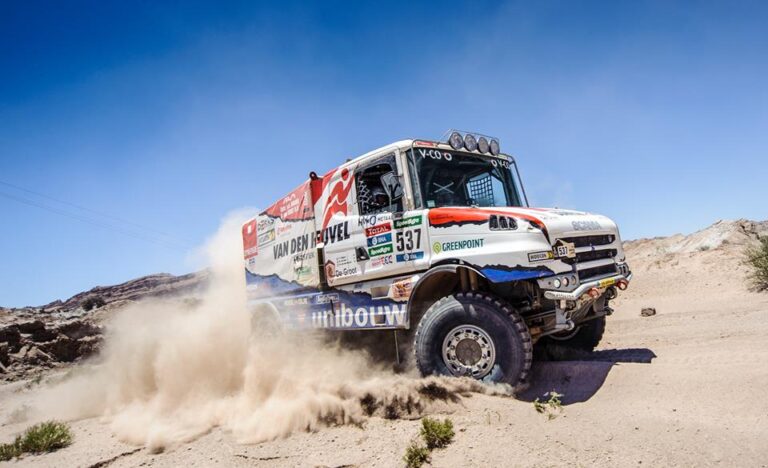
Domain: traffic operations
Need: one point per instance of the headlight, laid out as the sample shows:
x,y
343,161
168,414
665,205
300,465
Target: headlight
x,y
456,141
494,147
565,281
482,145
470,143
556,283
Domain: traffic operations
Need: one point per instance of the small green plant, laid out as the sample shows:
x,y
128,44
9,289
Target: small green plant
x,y
92,302
437,434
757,260
416,454
40,438
704,248
552,407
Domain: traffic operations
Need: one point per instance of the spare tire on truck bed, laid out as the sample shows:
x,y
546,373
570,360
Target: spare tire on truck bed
x,y
475,335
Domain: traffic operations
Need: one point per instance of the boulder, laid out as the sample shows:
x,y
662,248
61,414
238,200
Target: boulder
x,y
89,345
63,348
20,355
30,328
77,329
647,312
4,359
11,336
37,356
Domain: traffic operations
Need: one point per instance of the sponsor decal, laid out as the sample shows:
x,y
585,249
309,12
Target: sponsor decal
x,y
391,315
330,269
294,301
402,289
267,237
302,265
293,207
372,219
377,240
293,246
410,256
378,229
337,198
326,298
438,247
342,272
586,225
380,250
250,240
434,154
336,233
540,256
381,261
606,282
408,222
284,228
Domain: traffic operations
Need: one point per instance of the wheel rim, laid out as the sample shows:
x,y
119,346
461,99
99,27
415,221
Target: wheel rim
x,y
469,350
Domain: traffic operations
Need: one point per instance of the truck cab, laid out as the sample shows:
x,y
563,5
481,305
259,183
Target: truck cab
x,y
436,241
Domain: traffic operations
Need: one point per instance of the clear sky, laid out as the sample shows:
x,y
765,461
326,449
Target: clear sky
x,y
167,115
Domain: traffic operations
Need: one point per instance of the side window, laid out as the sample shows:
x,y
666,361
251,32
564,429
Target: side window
x,y
379,189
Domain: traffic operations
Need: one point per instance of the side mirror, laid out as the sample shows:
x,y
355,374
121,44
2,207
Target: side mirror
x,y
392,186
361,254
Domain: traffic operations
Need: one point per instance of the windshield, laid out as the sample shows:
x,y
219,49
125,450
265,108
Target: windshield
x,y
448,178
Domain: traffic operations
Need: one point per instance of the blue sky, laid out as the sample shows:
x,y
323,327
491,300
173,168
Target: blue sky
x,y
167,115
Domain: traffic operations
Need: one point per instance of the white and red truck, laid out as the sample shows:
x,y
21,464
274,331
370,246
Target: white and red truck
x,y
436,241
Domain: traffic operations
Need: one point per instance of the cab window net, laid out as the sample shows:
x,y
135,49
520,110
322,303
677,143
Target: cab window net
x,y
481,190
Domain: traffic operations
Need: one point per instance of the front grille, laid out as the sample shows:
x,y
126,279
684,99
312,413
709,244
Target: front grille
x,y
602,270
588,241
595,255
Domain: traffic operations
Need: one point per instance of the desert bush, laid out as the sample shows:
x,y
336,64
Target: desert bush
x,y
437,434
757,260
40,438
92,302
551,407
416,455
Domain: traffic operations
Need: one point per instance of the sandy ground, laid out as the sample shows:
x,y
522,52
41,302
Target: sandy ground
x,y
685,387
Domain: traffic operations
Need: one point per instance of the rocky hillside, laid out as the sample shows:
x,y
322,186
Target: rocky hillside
x,y
33,339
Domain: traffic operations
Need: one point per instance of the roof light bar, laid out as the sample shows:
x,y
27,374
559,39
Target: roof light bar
x,y
472,141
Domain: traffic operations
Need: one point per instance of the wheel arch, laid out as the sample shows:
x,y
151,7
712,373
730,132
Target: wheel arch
x,y
437,282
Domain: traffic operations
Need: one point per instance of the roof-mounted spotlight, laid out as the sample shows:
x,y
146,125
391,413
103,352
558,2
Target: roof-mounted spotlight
x,y
494,147
456,141
470,142
482,144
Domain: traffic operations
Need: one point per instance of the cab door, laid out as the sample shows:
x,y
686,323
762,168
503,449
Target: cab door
x,y
375,237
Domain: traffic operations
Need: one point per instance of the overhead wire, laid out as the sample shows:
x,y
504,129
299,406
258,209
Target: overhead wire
x,y
137,231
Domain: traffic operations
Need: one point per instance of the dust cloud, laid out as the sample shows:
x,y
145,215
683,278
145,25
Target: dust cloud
x,y
172,370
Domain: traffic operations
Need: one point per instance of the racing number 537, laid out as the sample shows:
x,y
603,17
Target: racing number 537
x,y
408,240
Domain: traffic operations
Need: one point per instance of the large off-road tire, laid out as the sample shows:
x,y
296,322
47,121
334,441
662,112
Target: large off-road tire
x,y
577,343
476,335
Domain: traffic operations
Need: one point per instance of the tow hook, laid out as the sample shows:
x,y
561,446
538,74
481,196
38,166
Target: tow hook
x,y
622,284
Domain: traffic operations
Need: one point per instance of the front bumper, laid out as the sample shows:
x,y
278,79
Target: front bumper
x,y
576,294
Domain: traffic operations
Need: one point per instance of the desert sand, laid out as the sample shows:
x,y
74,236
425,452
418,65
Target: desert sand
x,y
684,387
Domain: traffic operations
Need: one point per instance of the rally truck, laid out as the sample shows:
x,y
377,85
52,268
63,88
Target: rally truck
x,y
436,241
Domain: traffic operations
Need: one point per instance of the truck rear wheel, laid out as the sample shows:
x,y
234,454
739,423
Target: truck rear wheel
x,y
474,335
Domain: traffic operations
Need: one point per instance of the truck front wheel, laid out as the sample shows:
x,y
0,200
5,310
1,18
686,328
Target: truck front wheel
x,y
474,335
